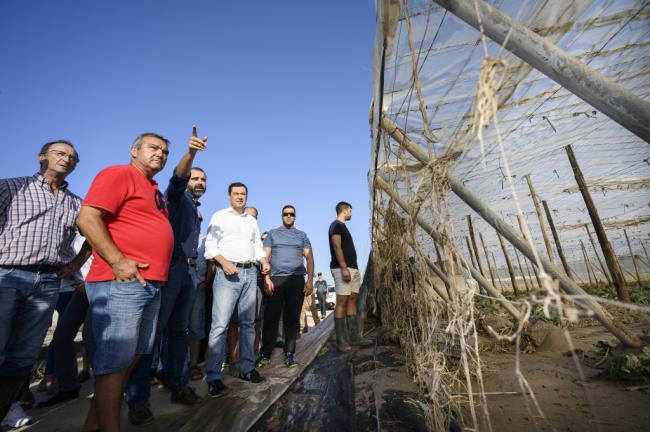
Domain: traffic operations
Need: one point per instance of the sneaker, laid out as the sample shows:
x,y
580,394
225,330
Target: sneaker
x,y
59,397
252,376
216,388
290,361
262,362
26,397
187,396
141,414
16,417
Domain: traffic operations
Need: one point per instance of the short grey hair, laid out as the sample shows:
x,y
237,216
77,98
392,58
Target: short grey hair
x,y
137,143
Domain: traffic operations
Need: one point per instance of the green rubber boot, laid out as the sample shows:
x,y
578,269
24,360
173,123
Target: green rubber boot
x,y
354,335
341,335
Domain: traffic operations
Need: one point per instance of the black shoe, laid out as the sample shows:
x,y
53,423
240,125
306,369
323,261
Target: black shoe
x,y
59,397
216,388
279,344
26,397
252,376
187,396
141,414
84,376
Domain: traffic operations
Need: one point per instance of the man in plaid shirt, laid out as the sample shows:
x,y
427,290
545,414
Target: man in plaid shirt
x,y
37,227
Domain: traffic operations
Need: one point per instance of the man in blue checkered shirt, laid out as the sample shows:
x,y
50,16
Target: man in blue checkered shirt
x,y
38,217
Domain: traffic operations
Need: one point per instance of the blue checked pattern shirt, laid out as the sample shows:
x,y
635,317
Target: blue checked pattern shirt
x,y
36,226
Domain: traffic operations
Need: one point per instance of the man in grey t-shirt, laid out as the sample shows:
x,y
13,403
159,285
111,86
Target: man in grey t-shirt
x,y
288,248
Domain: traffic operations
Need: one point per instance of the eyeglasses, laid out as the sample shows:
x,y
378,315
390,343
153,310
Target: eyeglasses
x,y
160,201
60,154
287,214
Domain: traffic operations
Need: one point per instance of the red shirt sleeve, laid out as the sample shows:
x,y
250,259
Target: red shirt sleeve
x,y
109,189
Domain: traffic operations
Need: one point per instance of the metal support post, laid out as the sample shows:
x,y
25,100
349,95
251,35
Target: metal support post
x,y
492,218
607,96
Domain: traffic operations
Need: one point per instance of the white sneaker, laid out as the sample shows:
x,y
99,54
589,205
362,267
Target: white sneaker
x,y
16,417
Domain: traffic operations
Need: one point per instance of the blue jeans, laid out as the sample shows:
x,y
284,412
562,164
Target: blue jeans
x,y
124,316
227,290
176,301
61,305
27,302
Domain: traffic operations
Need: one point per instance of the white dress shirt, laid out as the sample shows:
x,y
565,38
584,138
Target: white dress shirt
x,y
234,236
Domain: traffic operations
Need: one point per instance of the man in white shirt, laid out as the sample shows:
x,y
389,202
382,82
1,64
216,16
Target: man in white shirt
x,y
233,242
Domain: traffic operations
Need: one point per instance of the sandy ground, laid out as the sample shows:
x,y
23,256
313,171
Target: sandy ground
x,y
569,400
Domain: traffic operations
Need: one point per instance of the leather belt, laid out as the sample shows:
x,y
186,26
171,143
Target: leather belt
x,y
245,265
37,268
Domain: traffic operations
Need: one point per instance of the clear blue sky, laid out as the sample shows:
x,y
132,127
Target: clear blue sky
x,y
281,89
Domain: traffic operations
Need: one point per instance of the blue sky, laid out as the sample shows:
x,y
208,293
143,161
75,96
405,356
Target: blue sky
x,y
281,89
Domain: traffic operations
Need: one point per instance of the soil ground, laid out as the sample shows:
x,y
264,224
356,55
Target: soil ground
x,y
570,400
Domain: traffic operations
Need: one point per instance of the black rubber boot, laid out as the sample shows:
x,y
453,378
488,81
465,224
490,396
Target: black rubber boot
x,y
10,388
341,335
354,336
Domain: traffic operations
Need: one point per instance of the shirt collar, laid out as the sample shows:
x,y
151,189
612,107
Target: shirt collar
x,y
236,213
152,181
191,197
42,182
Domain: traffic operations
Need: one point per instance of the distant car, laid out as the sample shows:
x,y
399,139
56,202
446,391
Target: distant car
x,y
330,300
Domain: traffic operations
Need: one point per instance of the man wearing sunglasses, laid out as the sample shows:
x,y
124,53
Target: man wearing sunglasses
x,y
37,227
186,186
125,219
286,286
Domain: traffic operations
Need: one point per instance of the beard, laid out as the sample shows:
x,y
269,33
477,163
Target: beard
x,y
197,192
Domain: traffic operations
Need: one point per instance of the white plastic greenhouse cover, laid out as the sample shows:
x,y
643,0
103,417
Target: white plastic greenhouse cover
x,y
538,117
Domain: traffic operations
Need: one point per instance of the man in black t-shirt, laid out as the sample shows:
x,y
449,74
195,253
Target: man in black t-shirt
x,y
347,280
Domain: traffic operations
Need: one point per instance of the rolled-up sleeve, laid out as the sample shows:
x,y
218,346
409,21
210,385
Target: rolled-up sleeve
x,y
213,238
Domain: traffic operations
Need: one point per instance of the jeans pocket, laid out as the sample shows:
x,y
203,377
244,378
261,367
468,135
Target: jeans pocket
x,y
4,272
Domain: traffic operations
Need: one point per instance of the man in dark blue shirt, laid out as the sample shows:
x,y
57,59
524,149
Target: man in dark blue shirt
x,y
186,186
288,248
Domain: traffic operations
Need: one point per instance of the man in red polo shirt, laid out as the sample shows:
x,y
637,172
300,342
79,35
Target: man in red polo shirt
x,y
124,218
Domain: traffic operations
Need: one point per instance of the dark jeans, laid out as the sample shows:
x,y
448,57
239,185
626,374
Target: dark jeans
x,y
286,301
27,301
65,366
177,297
322,303
61,304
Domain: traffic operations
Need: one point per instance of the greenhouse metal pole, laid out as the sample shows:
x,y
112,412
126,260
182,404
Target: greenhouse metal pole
x,y
382,184
556,237
607,96
636,268
605,245
473,239
491,217
540,218
487,259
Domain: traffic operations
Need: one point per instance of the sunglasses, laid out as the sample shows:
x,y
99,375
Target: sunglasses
x,y
287,214
160,201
